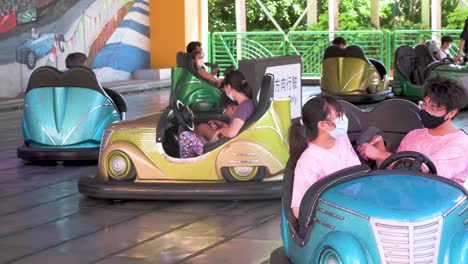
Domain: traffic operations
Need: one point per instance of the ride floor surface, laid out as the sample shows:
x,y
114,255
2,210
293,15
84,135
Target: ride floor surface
x,y
44,219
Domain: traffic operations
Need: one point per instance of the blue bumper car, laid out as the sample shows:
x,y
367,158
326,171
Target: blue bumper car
x,y
359,215
65,115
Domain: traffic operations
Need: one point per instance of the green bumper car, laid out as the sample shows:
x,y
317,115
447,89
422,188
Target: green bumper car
x,y
193,91
414,66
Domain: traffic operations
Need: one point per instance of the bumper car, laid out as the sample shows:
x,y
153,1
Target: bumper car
x,y
65,115
413,66
191,89
359,215
139,161
350,75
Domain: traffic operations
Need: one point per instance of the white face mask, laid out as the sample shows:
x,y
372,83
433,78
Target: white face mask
x,y
341,128
200,63
449,46
230,97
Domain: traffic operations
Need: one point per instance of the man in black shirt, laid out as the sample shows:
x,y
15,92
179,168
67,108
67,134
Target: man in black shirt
x,y
463,44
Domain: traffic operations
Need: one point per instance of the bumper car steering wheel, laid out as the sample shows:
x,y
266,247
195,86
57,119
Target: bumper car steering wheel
x,y
184,116
409,160
447,60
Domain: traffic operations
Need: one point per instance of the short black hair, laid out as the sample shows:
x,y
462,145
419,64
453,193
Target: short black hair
x,y
339,41
193,45
75,59
446,92
448,39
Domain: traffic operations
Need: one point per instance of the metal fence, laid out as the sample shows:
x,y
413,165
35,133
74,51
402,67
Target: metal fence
x,y
312,44
229,47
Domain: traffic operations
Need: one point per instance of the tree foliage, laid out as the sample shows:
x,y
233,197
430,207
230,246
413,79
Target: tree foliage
x,y
353,15
223,14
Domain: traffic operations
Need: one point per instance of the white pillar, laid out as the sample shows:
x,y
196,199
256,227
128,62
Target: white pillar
x,y
331,15
312,13
426,12
436,14
204,24
241,25
375,13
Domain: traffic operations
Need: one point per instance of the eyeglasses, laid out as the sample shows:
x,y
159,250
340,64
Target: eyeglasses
x,y
430,108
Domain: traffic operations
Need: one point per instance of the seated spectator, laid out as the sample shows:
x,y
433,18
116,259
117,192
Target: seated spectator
x,y
237,89
75,59
197,58
340,42
444,51
196,46
443,143
319,145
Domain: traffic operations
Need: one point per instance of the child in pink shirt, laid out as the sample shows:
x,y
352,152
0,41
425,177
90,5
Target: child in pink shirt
x,y
319,145
444,144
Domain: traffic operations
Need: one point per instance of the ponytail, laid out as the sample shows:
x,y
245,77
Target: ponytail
x,y
306,128
245,88
297,142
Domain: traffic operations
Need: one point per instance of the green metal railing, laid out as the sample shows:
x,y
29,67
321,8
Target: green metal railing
x,y
229,47
413,37
312,44
226,48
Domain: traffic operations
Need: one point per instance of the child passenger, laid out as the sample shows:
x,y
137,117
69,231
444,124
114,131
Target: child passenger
x,y
440,140
319,145
236,89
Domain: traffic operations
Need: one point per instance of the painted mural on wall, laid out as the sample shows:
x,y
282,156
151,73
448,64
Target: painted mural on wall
x,y
114,34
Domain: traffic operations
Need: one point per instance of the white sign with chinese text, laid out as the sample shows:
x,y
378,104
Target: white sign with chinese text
x,y
288,85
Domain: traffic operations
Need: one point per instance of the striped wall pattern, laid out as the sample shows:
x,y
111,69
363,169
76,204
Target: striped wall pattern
x,y
128,48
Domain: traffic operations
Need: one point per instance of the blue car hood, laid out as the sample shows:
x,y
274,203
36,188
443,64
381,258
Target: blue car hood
x,y
395,196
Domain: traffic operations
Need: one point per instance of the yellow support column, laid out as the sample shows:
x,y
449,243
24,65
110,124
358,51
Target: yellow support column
x,y
172,25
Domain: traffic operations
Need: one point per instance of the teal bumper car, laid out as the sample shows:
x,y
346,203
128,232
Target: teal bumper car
x,y
359,215
65,115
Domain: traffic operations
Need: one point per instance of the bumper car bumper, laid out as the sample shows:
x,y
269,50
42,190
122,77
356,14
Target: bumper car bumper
x,y
94,187
57,154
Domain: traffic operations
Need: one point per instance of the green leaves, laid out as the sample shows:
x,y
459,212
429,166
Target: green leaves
x,y
354,15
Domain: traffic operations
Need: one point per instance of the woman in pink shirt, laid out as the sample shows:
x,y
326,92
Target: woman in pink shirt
x,y
443,143
319,145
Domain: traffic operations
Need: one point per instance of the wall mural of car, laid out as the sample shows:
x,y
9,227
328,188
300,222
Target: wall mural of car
x,y
359,215
35,48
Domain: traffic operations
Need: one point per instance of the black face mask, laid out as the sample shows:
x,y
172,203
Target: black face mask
x,y
430,121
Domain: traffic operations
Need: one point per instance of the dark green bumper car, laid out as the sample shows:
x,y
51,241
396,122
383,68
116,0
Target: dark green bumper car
x,y
414,66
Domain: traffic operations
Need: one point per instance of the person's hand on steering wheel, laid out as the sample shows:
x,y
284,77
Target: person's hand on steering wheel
x,y
409,160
